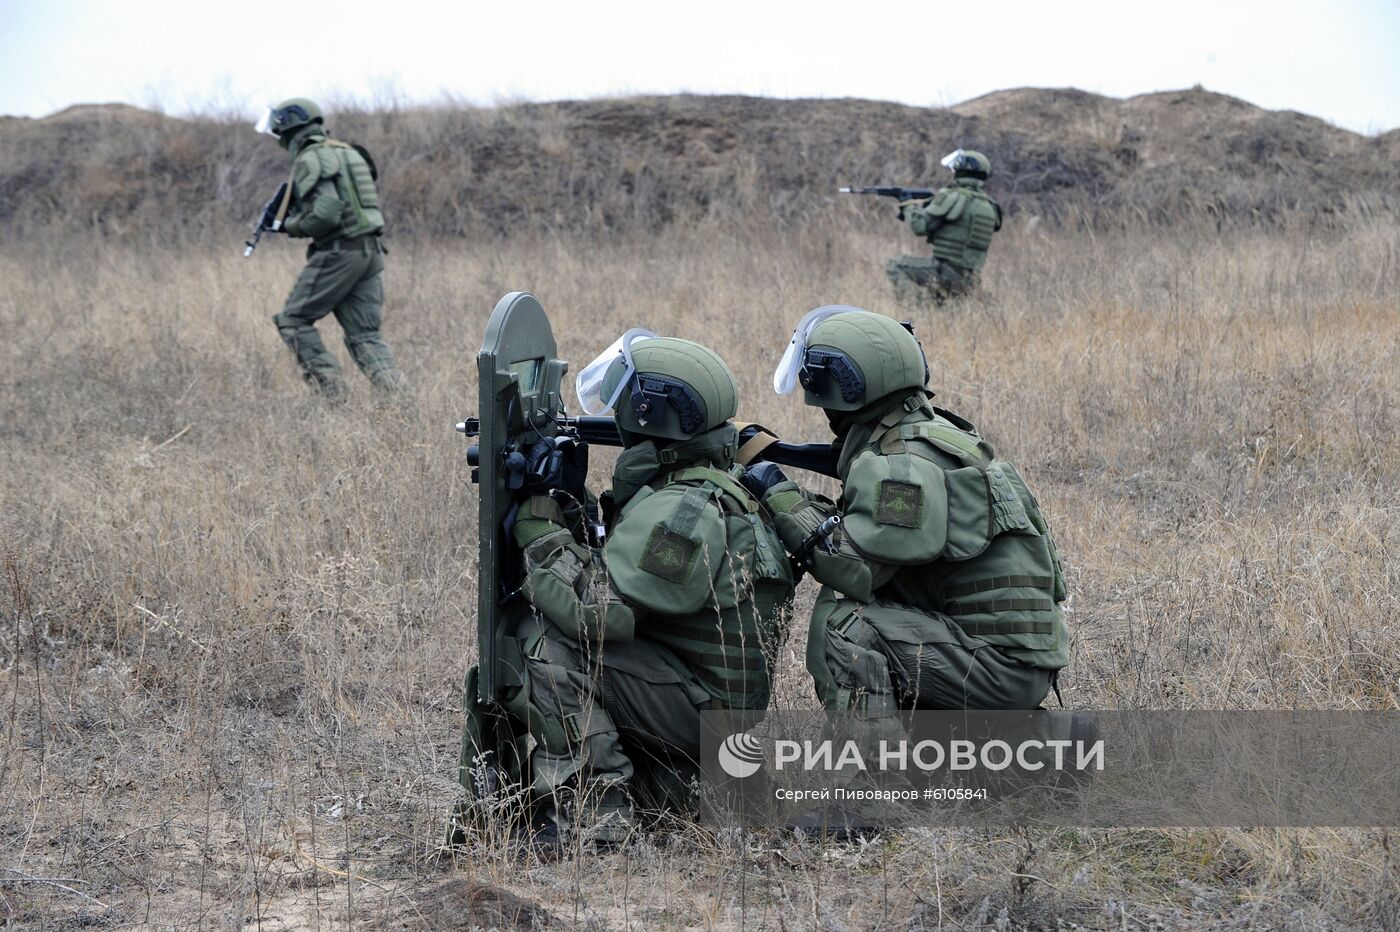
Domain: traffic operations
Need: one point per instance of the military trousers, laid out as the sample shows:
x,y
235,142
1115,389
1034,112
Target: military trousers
x,y
926,280
884,657
344,278
618,713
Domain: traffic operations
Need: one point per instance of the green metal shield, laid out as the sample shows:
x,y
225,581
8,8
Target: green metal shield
x,y
520,402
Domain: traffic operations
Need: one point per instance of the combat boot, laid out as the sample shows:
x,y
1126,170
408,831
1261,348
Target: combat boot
x,y
610,822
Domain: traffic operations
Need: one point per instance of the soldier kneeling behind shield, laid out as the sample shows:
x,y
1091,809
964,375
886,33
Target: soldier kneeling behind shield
x,y
678,613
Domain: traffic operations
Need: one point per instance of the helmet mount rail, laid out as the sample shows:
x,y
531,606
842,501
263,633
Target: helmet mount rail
x,y
820,365
649,391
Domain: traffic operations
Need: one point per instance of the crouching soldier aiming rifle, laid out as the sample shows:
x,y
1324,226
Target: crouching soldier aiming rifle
x,y
944,591
607,647
958,221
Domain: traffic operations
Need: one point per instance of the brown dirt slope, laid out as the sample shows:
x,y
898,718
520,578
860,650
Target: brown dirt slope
x,y
648,162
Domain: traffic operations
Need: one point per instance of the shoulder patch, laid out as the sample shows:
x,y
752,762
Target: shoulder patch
x,y
899,503
896,507
669,555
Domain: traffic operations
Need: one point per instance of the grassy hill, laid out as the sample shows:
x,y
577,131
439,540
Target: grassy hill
x,y
648,162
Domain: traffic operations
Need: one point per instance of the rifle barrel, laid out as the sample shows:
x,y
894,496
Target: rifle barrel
x,y
601,430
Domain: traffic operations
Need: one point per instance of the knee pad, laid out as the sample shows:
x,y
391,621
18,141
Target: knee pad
x,y
286,330
859,667
370,353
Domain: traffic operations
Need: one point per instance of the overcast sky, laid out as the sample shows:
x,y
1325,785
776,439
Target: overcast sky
x,y
1338,59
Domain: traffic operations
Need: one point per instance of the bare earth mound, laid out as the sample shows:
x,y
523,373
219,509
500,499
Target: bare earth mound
x,y
648,162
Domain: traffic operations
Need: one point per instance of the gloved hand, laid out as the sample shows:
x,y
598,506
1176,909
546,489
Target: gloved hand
x,y
796,514
553,463
760,477
907,208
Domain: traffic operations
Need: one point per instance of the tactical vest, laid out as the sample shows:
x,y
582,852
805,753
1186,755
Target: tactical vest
x,y
701,555
341,164
930,494
960,225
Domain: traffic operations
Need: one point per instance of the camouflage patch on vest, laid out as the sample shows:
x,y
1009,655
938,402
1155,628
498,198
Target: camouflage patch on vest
x,y
899,503
669,555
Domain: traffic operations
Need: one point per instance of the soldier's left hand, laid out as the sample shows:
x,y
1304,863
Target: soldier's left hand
x,y
760,477
552,463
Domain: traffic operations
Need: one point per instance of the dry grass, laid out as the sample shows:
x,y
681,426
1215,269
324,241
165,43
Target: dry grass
x,y
236,619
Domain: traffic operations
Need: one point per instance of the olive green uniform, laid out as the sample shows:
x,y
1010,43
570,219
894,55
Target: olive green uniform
x,y
944,591
677,614
943,588
958,222
334,202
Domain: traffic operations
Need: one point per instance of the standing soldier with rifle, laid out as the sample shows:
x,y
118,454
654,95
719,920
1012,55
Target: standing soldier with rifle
x,y
331,198
958,221
603,644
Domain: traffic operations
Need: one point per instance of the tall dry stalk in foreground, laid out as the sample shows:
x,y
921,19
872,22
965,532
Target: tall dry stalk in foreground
x,y
237,618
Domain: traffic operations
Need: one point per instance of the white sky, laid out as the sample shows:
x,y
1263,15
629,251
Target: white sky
x,y
1339,60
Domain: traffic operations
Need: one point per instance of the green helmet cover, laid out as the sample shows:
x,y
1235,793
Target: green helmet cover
x,y
883,352
681,389
294,113
966,162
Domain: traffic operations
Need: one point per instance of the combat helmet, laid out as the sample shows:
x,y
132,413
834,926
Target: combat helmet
x,y
846,358
289,115
660,387
965,163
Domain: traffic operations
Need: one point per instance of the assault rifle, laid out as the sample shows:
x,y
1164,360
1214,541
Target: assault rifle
x,y
273,213
602,431
899,194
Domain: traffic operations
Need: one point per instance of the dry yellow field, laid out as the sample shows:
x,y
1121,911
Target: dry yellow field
x,y
236,618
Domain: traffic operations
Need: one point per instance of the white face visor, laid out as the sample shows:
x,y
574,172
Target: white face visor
x,y
264,124
951,157
785,376
589,384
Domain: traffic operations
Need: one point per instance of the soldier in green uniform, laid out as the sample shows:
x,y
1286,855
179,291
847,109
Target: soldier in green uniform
x,y
958,223
678,613
944,590
332,201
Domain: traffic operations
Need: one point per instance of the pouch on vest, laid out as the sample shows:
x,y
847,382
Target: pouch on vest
x,y
1005,593
907,625
982,224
